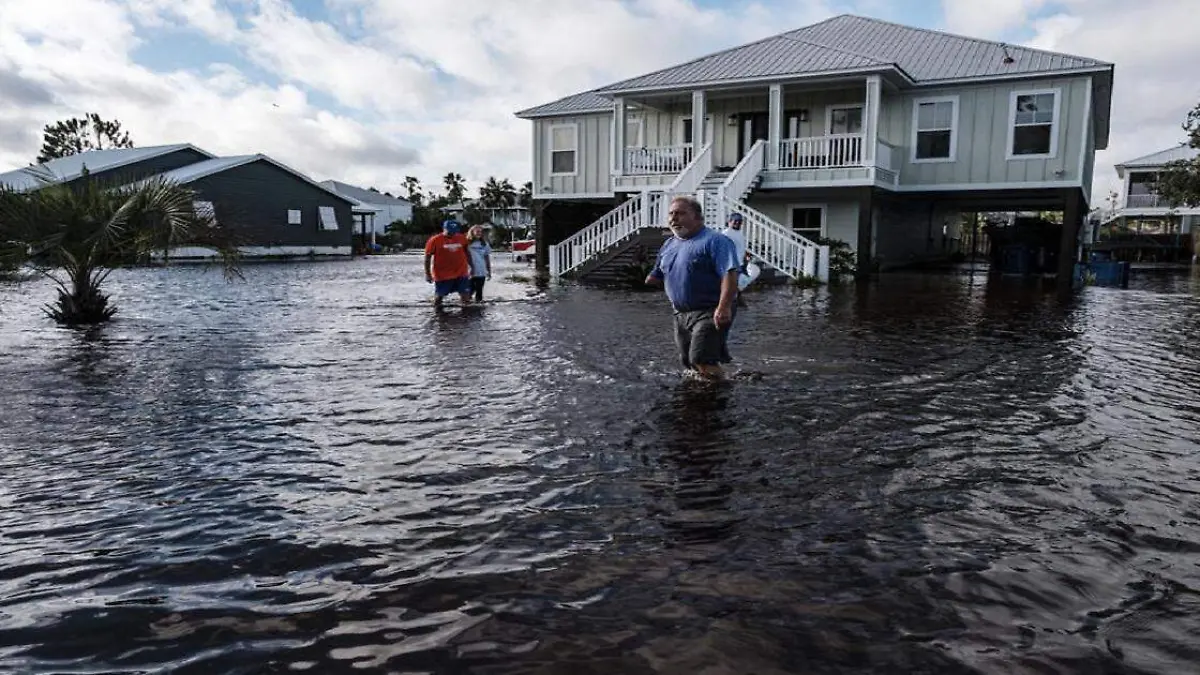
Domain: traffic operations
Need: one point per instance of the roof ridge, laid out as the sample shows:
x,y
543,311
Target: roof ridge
x,y
712,54
994,43
1151,154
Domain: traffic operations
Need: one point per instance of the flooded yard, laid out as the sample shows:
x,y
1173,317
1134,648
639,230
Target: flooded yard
x,y
312,471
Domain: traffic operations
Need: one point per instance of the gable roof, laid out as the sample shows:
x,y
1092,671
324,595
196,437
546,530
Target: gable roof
x,y
579,104
69,168
849,43
216,165
364,196
1179,152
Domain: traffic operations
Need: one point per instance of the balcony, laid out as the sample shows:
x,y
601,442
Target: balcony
x,y
1146,201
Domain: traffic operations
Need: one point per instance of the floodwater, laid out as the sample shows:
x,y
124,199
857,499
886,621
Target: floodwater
x,y
312,471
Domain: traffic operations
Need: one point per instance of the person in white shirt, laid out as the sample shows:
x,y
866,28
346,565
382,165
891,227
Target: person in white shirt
x,y
734,232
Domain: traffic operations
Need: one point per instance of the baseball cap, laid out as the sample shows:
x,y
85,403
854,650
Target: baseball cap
x,y
451,226
736,217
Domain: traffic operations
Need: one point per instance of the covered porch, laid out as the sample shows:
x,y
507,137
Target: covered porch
x,y
814,132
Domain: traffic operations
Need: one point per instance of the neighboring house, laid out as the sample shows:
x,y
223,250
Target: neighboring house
x,y
1141,225
383,209
271,209
506,217
852,129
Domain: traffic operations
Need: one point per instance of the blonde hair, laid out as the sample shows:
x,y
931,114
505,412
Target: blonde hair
x,y
476,231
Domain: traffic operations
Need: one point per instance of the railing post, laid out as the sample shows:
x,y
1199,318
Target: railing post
x,y
554,264
823,265
774,125
722,206
645,208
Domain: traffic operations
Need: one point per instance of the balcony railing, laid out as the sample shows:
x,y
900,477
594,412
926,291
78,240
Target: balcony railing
x,y
655,161
822,152
1148,201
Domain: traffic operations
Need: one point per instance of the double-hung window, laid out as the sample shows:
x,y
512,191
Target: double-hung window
x,y
564,149
1033,124
935,132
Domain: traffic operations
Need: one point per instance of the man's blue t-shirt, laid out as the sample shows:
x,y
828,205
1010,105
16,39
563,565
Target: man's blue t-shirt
x,y
692,268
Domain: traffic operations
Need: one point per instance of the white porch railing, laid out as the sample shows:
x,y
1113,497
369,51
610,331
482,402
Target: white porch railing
x,y
651,161
738,182
822,152
779,246
1147,201
643,210
689,179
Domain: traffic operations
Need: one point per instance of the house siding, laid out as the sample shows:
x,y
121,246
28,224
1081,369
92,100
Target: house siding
x,y
253,200
593,161
841,213
983,135
136,171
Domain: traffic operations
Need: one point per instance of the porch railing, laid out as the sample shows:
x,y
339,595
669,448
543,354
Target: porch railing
x,y
642,210
822,152
660,160
689,179
1147,201
739,181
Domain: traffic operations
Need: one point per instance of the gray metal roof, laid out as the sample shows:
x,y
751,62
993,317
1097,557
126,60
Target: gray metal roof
x,y
587,102
363,195
193,172
1179,152
69,168
856,43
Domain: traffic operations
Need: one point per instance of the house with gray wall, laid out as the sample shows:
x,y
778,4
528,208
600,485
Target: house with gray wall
x,y
271,210
852,129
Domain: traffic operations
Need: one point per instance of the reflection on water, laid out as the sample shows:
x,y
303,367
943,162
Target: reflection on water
x,y
314,471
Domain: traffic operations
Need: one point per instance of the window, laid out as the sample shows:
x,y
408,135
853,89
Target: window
x,y
633,133
685,130
844,119
328,218
205,212
294,217
1034,120
807,221
934,122
564,145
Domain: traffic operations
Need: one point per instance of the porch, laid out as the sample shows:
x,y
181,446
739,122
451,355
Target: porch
x,y
814,134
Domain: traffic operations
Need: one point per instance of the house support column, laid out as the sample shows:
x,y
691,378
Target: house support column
x,y
774,125
866,232
697,139
871,120
1074,211
620,117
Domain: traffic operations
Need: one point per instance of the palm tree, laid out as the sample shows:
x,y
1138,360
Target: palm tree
x,y
525,196
413,188
76,235
456,187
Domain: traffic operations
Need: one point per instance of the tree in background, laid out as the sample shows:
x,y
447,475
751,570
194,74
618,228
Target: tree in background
x,y
412,189
81,134
525,196
77,234
456,187
497,194
1179,182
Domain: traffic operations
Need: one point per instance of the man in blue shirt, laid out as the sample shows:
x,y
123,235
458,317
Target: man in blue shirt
x,y
699,268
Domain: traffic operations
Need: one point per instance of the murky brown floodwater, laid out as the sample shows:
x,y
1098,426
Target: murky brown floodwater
x,y
313,472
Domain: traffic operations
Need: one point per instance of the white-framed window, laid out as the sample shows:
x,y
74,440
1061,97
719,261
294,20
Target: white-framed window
x,y
1033,124
807,220
564,149
328,217
935,129
844,119
295,217
685,129
635,132
205,211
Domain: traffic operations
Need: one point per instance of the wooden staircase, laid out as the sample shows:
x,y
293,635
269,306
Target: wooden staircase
x,y
627,262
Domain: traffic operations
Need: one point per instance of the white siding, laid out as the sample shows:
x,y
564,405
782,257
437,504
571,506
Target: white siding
x,y
593,163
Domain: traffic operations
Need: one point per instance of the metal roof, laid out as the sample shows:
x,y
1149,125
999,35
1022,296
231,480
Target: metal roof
x,y
581,104
363,195
1179,152
193,172
69,168
856,43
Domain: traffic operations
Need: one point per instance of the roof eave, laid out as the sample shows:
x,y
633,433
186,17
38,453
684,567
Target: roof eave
x,y
1014,76
764,79
562,113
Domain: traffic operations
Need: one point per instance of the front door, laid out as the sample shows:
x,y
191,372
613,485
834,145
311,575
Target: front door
x,y
752,127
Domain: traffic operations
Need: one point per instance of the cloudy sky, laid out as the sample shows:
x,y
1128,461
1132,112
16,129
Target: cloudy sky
x,y
369,91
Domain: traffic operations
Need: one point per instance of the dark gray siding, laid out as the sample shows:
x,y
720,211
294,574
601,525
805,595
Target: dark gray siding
x,y
130,173
253,200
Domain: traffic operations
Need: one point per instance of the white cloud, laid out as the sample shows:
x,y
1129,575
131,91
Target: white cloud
x,y
386,89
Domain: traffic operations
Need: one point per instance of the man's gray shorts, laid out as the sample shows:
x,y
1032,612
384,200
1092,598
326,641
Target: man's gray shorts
x,y
699,340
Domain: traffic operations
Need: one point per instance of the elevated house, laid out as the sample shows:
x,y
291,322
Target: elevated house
x,y
852,129
271,209
1141,224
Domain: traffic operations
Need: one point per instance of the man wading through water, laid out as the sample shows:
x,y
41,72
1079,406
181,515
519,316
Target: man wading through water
x,y
699,268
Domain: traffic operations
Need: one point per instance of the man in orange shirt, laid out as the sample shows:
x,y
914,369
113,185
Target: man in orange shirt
x,y
451,272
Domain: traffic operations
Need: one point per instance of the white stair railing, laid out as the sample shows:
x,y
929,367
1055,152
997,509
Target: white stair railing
x,y
643,210
741,178
694,173
779,246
